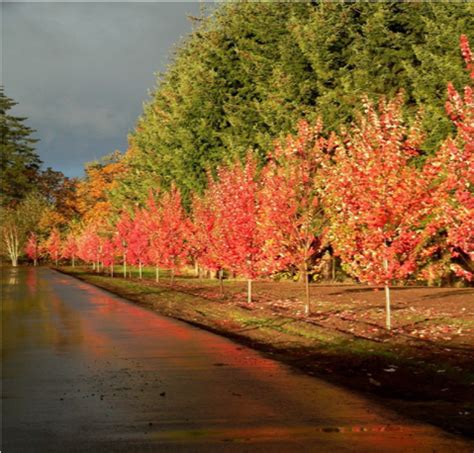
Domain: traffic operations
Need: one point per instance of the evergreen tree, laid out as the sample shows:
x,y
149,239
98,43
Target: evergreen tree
x,y
19,163
250,71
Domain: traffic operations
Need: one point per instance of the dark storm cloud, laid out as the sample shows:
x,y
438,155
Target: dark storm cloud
x,y
81,71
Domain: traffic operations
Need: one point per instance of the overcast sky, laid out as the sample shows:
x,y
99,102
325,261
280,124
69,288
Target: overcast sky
x,y
80,72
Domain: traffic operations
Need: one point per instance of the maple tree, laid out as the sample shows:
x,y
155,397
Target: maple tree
x,y
151,219
32,248
122,237
453,168
138,240
208,243
204,234
109,254
69,248
291,213
170,232
89,245
237,237
378,201
53,245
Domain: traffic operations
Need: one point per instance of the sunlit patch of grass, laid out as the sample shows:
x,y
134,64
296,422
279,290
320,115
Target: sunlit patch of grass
x,y
364,348
457,322
309,332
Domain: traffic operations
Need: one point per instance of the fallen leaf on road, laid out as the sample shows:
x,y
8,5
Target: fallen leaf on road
x,y
375,382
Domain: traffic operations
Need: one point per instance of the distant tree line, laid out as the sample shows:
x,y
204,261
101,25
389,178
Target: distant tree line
x,y
31,198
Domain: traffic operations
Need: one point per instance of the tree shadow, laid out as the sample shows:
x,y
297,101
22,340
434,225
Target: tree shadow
x,y
451,293
376,288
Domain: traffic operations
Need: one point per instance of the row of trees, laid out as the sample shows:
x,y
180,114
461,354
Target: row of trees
x,y
20,165
31,198
362,193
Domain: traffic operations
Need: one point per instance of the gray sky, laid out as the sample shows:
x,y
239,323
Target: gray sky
x,y
80,72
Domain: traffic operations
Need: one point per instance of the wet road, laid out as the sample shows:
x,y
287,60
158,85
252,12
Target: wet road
x,y
84,370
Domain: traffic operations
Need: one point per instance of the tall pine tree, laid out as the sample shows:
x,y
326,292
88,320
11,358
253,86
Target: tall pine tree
x,y
19,163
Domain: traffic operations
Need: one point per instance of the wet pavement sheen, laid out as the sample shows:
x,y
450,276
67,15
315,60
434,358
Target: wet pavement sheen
x,y
84,370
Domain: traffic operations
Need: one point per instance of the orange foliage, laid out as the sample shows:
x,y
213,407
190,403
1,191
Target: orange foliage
x,y
93,203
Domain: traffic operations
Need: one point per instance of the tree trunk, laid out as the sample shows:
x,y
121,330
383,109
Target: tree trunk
x,y
431,276
35,262
73,261
307,307
140,273
387,307
10,237
196,269
124,266
112,270
249,291
93,265
157,274
221,281
333,262
202,274
387,299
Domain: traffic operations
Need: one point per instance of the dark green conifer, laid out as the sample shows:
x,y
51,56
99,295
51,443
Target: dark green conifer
x,y
19,162
250,71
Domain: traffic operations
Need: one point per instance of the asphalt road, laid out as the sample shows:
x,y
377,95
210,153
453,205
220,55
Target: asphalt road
x,y
84,370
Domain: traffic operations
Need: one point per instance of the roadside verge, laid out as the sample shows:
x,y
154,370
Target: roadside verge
x,y
424,379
